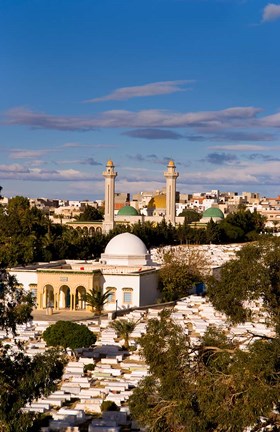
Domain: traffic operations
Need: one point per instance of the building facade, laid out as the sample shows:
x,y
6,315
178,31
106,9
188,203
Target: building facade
x,y
125,268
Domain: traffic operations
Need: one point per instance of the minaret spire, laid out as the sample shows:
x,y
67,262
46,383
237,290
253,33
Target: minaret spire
x,y
171,176
110,174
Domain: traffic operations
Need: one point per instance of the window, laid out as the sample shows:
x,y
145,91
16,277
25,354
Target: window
x,y
33,289
127,295
112,296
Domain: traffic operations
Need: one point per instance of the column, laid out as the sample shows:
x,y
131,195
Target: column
x,y
171,176
109,176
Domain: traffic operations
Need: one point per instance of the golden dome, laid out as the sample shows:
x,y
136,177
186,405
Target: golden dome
x,y
158,202
171,163
110,163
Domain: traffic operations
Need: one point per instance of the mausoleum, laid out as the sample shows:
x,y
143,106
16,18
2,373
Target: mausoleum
x,y
125,268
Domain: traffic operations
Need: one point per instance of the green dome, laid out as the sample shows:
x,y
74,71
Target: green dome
x,y
213,212
127,211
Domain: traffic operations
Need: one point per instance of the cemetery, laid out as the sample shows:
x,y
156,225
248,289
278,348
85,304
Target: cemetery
x,y
97,382
114,372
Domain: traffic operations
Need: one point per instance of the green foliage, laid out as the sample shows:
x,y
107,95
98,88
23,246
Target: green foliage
x,y
15,304
90,214
190,215
21,228
96,299
213,232
68,334
124,328
21,378
214,386
89,367
109,406
254,274
27,235
241,226
180,272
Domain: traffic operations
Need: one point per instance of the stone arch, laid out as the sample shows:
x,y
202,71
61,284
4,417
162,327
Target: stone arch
x,y
64,297
48,296
80,302
99,230
33,290
91,231
85,231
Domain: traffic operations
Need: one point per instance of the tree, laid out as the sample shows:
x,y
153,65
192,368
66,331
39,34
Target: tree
x,y
242,225
181,270
21,231
22,379
190,215
255,274
15,304
213,386
217,385
124,328
157,402
213,232
96,299
68,334
90,214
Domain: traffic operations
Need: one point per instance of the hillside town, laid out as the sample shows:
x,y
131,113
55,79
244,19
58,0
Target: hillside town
x,y
127,275
152,205
140,216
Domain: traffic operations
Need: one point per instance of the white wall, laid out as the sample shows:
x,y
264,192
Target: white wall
x,y
144,285
120,281
25,277
149,292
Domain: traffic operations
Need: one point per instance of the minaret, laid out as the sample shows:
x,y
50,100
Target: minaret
x,y
110,176
171,177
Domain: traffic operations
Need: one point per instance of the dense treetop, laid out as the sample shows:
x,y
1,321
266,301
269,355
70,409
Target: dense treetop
x,y
68,334
90,214
181,270
217,384
27,235
22,378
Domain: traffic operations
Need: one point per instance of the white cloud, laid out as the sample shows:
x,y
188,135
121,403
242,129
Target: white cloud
x,y
15,168
26,154
202,120
271,121
271,12
79,145
151,89
264,173
21,172
243,147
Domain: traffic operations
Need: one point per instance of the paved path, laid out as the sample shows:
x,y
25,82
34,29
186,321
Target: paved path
x,y
66,315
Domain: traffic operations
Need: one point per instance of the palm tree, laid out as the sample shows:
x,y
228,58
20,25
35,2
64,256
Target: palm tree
x,y
124,328
96,299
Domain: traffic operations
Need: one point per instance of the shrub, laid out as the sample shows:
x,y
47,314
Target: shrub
x,y
89,367
109,406
69,335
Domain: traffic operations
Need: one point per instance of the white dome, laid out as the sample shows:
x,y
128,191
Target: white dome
x,y
126,244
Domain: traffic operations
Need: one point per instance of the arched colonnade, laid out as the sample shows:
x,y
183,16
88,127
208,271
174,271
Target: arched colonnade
x,y
62,297
86,228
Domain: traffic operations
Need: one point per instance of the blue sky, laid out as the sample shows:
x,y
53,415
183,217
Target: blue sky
x,y
139,82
